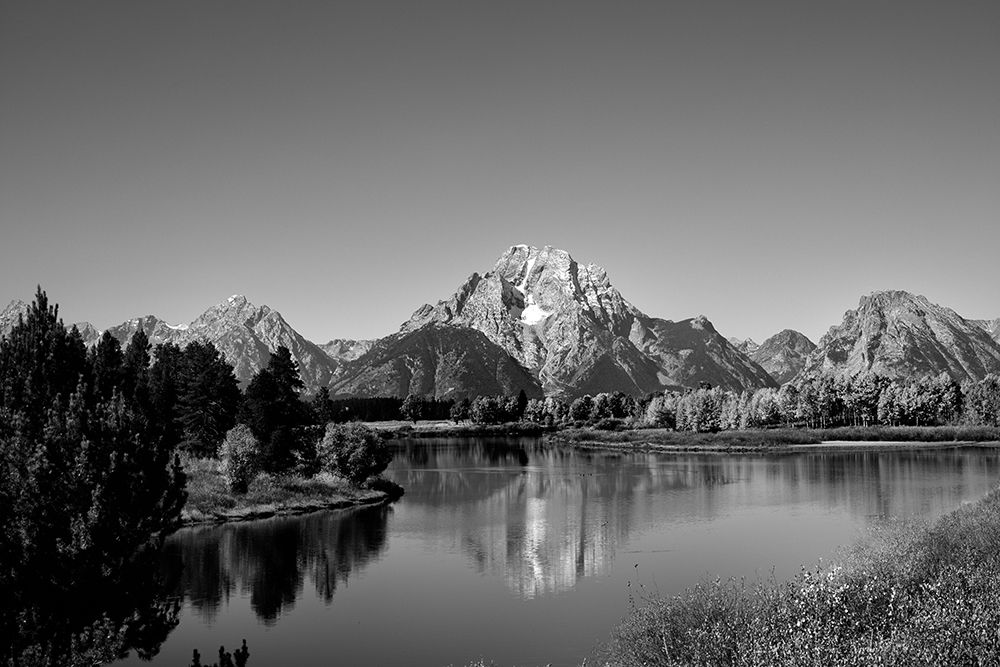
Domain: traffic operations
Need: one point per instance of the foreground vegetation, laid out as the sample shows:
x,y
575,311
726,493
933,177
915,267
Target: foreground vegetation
x,y
911,596
91,480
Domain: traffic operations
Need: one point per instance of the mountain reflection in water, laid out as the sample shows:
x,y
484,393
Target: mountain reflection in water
x,y
271,560
526,553
544,517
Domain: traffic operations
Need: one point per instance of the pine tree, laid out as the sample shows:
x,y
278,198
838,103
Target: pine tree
x,y
40,362
87,494
272,409
135,371
164,389
321,407
208,398
106,359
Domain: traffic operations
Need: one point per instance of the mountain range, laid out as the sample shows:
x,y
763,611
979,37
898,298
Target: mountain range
x,y
900,335
540,321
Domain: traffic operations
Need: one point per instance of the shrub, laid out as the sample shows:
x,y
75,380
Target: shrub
x,y
353,451
239,457
609,424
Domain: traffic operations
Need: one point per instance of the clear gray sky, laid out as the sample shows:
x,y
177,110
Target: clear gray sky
x,y
762,163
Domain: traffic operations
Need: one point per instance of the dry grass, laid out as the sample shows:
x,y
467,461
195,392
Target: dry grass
x,y
912,595
209,495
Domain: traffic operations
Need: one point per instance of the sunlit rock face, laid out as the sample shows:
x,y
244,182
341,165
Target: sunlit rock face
x,y
783,355
902,335
245,334
11,314
747,347
156,330
992,327
346,349
16,309
568,325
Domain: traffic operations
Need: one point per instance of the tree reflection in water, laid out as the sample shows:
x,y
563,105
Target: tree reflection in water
x,y
270,560
546,517
89,622
237,658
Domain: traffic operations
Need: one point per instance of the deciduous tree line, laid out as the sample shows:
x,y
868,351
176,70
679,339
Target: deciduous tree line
x,y
827,401
820,402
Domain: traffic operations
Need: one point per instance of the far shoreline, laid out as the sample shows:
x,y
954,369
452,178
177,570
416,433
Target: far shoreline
x,y
667,441
811,448
780,441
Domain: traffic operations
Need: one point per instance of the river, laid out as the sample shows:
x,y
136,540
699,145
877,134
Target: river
x,y
528,554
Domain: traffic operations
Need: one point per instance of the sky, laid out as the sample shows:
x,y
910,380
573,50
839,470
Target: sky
x,y
761,163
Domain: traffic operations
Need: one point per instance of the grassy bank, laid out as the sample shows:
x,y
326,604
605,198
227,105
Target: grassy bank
x,y
768,439
210,500
911,596
448,429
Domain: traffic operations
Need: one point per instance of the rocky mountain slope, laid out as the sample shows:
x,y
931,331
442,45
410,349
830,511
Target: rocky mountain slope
x,y
568,326
900,335
747,347
16,308
783,355
245,334
346,349
441,361
992,327
9,316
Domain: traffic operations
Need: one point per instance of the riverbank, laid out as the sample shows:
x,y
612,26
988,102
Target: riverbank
x,y
210,500
909,595
449,429
776,440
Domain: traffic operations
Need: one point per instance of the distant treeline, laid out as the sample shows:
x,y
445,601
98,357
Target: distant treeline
x,y
820,402
377,408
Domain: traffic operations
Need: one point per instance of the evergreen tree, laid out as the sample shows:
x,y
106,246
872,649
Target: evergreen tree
x,y
522,403
106,359
273,411
135,371
208,398
322,408
164,390
87,492
40,362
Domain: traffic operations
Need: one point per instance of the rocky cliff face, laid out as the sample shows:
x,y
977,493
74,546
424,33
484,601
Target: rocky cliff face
x,y
573,330
245,334
441,361
88,332
901,335
992,327
747,347
16,308
346,349
157,330
10,315
783,355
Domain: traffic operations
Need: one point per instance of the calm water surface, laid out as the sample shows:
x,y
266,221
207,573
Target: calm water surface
x,y
526,554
